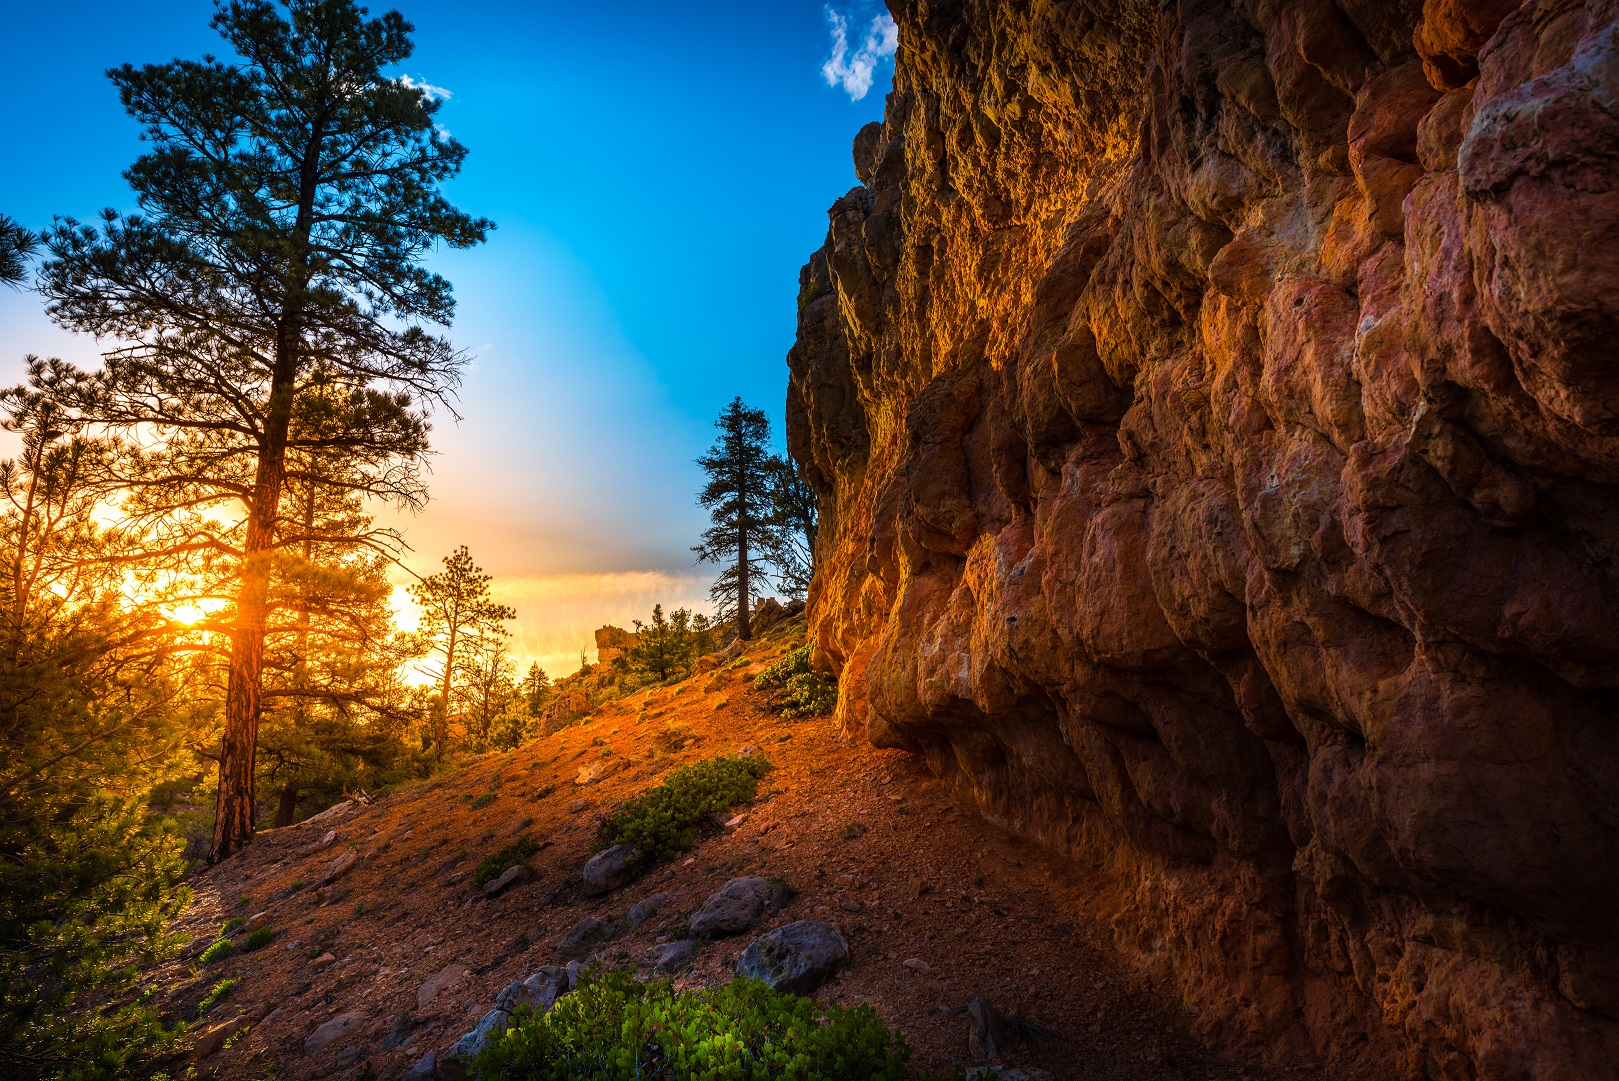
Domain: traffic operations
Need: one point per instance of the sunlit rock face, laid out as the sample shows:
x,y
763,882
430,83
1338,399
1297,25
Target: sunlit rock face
x,y
1216,417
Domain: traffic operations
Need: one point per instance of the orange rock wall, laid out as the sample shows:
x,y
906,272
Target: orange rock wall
x,y
1215,409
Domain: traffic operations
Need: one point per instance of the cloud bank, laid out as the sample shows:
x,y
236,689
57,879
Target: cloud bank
x,y
854,71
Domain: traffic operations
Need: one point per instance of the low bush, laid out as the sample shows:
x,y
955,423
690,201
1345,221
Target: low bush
x,y
218,951
808,695
615,1029
660,820
230,925
792,663
483,801
257,940
494,866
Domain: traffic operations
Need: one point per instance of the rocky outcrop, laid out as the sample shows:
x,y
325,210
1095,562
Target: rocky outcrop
x,y
1216,424
612,643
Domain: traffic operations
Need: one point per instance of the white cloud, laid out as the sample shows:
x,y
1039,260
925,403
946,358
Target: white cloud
x,y
425,87
854,71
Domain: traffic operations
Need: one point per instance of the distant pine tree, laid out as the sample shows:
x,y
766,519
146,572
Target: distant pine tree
x,y
737,497
790,539
536,688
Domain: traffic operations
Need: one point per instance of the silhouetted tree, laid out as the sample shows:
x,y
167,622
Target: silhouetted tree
x,y
536,688
16,244
457,607
287,200
737,497
665,646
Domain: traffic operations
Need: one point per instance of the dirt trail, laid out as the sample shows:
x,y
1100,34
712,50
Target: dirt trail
x,y
866,837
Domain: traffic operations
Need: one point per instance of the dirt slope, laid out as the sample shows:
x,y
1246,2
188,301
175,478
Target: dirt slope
x,y
840,822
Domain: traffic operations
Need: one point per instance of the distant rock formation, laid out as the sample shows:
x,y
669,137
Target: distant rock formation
x,y
612,643
1215,411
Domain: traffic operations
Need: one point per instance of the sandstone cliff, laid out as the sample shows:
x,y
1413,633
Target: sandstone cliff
x,y
1216,418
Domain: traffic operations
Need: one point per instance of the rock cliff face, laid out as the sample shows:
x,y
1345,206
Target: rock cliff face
x,y
1215,410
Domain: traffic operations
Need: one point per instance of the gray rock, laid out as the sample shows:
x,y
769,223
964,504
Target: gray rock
x,y
446,977
341,866
511,876
574,969
796,958
611,869
987,1038
669,956
426,1068
584,938
456,1060
399,1032
647,909
339,1027
539,991
735,907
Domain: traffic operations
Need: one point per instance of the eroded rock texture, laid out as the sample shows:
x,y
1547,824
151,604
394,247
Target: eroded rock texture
x,y
1216,416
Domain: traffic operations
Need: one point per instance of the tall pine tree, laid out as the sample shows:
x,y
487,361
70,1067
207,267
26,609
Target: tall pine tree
x,y
737,498
287,200
460,619
16,244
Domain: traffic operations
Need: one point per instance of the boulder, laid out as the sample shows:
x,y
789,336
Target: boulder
x,y
739,905
511,876
425,1069
611,869
585,938
647,908
213,1039
341,1027
796,958
456,1063
341,866
539,992
612,643
669,956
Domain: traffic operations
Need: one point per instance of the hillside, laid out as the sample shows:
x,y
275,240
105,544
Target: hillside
x,y
867,838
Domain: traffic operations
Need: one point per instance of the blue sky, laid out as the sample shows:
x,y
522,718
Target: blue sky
x,y
658,174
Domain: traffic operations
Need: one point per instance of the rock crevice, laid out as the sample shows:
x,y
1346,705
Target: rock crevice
x,y
1215,420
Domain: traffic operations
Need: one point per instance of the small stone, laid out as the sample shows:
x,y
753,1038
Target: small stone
x,y
849,904
987,1034
584,938
339,1027
739,905
598,771
399,1031
323,960
349,1053
647,909
426,1068
447,976
257,920
611,869
670,956
331,835
575,806
574,969
511,876
732,824
796,958
747,751
916,964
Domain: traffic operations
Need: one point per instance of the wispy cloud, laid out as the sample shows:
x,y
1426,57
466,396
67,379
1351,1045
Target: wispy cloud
x,y
854,71
425,87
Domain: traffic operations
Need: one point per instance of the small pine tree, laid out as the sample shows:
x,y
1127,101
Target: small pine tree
x,y
536,689
737,497
666,646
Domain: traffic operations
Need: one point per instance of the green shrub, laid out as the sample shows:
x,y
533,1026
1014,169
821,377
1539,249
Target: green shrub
x,y
513,854
615,1029
808,695
483,801
794,662
230,925
659,821
257,940
218,951
213,998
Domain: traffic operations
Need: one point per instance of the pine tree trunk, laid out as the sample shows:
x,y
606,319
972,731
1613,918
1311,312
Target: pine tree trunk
x,y
287,807
244,690
441,725
744,628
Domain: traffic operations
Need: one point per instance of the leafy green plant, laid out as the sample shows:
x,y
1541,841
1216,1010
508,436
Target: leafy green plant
x,y
230,925
792,663
483,801
257,940
214,997
218,951
513,854
615,1029
660,821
